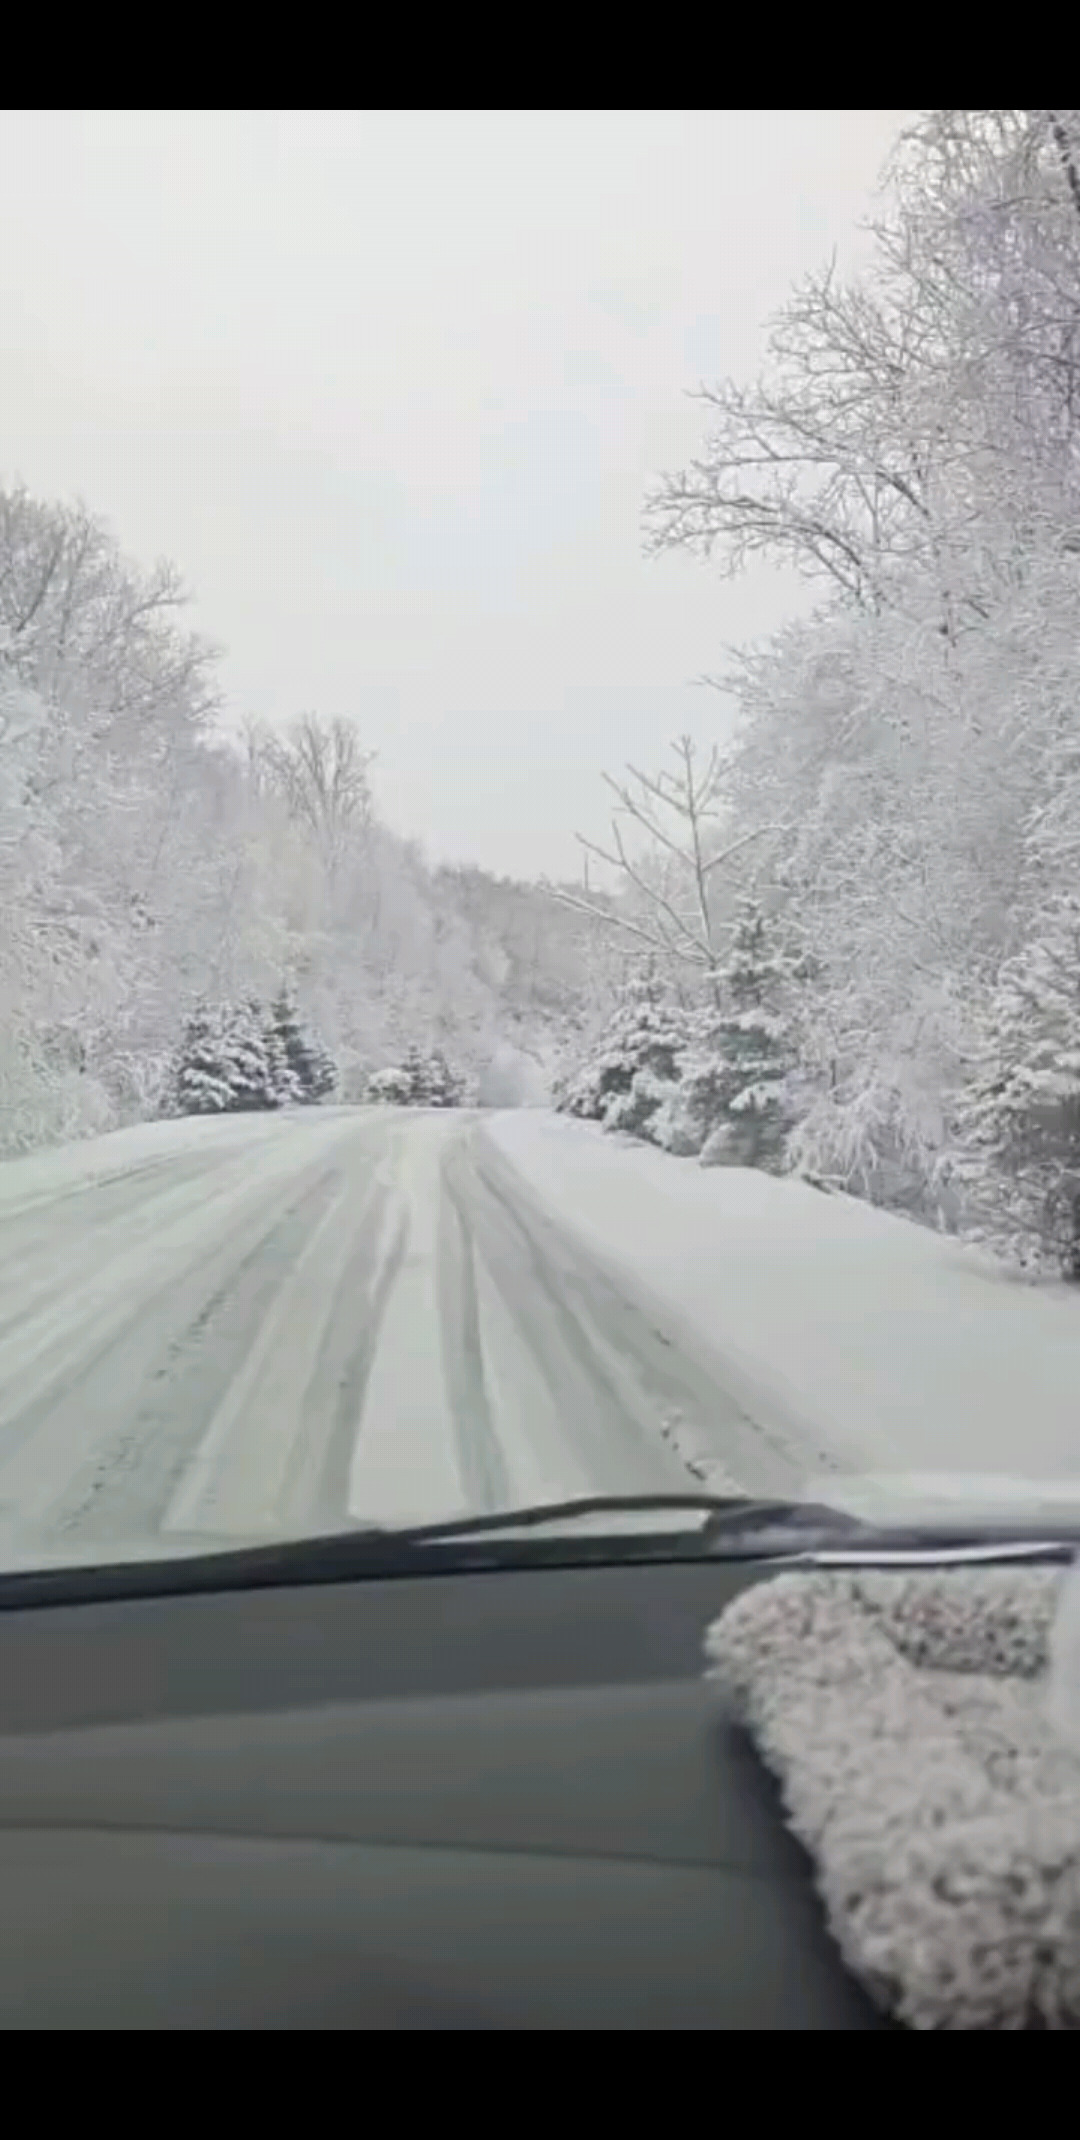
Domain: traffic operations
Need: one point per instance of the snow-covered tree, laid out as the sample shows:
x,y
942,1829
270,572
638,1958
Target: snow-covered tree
x,y
390,1087
322,1070
631,1072
308,1072
733,1100
416,1070
279,1066
252,1069
443,1086
419,1080
321,770
99,636
224,1063
1017,1158
201,1080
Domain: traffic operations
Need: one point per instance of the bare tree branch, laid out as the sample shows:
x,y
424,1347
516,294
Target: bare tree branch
x,y
621,860
684,929
758,832
612,920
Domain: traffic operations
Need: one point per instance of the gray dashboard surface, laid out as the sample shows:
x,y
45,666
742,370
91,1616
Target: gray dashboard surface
x,y
503,1800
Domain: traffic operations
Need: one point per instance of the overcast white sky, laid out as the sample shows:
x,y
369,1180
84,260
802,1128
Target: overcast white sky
x,y
390,387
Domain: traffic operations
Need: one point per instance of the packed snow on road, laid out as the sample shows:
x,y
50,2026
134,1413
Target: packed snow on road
x,y
245,1328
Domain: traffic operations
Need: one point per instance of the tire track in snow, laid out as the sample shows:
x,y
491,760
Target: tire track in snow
x,y
595,1439
74,1327
50,1260
127,1484
481,1457
409,1460
65,1448
677,1399
265,1453
316,1487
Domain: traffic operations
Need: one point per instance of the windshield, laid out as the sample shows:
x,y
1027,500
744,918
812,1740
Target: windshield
x,y
452,1063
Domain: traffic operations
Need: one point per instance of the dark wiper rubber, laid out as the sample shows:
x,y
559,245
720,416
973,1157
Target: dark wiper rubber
x,y
538,1513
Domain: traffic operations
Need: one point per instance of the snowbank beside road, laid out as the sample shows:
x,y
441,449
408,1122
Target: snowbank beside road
x,y
62,1167
887,1346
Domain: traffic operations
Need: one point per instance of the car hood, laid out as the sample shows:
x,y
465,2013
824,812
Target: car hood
x,y
943,1498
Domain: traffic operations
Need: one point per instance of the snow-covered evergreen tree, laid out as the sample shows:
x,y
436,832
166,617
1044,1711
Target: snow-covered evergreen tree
x,y
389,1087
414,1067
1017,1160
419,1080
322,1070
442,1086
291,1040
200,1081
688,1105
308,1070
633,1070
733,1103
224,1064
278,1065
249,1059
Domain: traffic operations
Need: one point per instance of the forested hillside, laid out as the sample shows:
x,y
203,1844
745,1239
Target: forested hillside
x,y
153,868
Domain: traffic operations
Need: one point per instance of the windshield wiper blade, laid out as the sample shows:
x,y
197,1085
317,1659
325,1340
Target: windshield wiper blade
x,y
734,1527
381,1549
538,1513
742,1527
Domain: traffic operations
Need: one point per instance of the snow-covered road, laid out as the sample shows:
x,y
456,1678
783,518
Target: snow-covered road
x,y
244,1328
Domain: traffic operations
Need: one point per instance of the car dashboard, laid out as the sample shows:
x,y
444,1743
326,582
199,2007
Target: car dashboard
x,y
494,1800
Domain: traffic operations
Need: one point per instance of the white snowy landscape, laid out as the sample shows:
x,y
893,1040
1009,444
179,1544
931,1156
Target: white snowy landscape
x,y
341,1183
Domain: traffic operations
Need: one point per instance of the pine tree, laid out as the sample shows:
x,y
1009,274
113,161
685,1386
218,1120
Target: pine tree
x,y
442,1086
733,1103
288,1029
389,1088
1017,1160
322,1070
419,1080
309,1069
635,1066
437,1079
415,1071
249,1066
200,1080
280,1071
691,1105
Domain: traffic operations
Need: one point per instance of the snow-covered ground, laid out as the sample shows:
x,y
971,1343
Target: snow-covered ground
x,y
42,1176
230,1329
222,1330
872,1341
